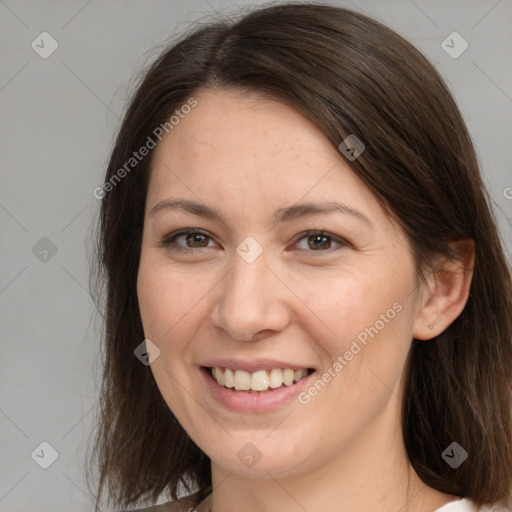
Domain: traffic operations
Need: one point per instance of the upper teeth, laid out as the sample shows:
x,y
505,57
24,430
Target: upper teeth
x,y
260,380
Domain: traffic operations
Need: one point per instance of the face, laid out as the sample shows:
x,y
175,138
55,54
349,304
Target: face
x,y
288,263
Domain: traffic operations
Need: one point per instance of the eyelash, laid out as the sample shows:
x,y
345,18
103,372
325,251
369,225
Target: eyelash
x,y
170,238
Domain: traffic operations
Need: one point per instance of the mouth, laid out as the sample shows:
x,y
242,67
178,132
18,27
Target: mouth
x,y
257,382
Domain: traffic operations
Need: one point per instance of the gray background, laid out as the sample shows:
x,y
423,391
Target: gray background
x,y
59,117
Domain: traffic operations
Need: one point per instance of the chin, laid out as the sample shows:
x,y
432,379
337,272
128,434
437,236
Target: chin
x,y
257,456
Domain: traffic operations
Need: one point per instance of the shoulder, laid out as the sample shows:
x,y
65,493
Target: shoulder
x,y
495,508
466,505
185,504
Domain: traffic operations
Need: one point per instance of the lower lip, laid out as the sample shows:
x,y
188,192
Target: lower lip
x,y
265,401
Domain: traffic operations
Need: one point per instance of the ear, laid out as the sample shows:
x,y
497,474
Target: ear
x,y
447,291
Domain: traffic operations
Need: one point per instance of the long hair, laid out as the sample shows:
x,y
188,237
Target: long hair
x,y
350,75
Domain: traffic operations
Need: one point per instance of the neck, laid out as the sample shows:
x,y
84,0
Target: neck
x,y
371,473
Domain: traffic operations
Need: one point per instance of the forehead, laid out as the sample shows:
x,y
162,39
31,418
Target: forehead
x,y
235,145
232,125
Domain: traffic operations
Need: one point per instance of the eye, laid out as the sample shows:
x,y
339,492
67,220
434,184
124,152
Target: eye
x,y
319,241
193,239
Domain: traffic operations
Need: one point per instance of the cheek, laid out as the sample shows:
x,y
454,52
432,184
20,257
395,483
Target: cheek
x,y
346,306
169,301
365,336
171,308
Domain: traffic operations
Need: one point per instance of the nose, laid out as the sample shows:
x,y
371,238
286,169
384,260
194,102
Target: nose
x,y
251,303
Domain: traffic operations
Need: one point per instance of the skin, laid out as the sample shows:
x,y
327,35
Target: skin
x,y
246,157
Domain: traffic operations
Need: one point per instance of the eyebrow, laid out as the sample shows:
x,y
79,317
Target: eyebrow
x,y
286,214
311,209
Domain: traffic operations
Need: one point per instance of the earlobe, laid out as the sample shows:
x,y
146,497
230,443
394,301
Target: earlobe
x,y
446,292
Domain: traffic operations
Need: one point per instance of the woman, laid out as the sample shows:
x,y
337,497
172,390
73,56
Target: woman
x,y
308,305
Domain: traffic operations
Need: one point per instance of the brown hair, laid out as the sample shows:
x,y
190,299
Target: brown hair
x,y
350,75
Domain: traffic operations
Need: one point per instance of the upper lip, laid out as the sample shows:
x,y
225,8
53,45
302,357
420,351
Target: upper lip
x,y
253,365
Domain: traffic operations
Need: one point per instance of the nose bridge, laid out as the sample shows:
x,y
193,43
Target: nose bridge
x,y
245,278
249,301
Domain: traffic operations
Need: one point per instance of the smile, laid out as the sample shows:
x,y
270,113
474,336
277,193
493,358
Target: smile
x,y
258,381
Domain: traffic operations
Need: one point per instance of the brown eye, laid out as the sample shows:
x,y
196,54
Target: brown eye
x,y
319,241
196,240
186,239
316,242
